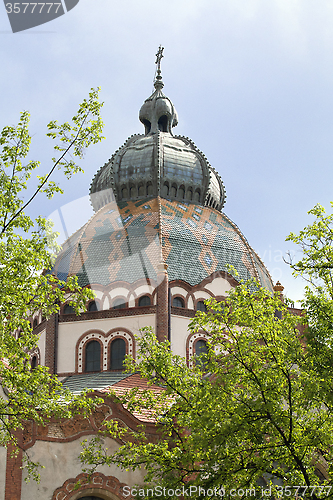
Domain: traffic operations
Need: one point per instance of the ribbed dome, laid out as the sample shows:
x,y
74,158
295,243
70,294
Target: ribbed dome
x,y
158,163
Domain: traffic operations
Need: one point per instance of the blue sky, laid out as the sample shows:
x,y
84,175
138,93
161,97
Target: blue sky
x,y
251,80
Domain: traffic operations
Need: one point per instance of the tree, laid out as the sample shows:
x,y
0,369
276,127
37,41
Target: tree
x,y
256,411
27,249
316,267
253,412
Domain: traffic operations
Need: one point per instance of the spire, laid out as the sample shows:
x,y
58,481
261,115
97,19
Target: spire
x,y
157,112
158,84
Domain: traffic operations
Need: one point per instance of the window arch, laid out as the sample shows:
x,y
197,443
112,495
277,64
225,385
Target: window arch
x,y
93,306
173,192
201,347
197,195
144,300
118,352
201,306
93,356
34,362
201,353
165,191
163,123
68,309
147,125
133,192
178,302
141,191
193,347
119,303
104,340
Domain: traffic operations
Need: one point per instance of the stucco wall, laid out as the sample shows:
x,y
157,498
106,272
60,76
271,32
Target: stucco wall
x,y
61,463
219,286
70,332
179,334
3,457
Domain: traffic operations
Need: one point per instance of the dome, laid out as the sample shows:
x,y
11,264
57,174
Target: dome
x,y
126,242
158,163
158,205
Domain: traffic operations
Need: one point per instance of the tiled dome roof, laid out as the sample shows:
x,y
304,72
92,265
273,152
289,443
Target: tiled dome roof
x,y
158,201
128,241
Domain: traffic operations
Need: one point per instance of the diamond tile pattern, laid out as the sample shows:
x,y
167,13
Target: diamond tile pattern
x,y
122,243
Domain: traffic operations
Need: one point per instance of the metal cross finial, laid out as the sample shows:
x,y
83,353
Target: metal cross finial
x,y
159,56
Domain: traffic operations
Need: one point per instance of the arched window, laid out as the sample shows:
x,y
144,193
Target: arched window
x,y
181,192
201,306
189,195
147,125
35,324
141,190
124,193
163,123
201,352
173,192
149,189
93,306
197,195
34,362
165,191
119,304
93,356
178,302
118,352
68,309
133,192
144,301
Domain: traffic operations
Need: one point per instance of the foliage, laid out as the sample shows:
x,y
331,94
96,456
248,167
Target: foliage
x,y
252,412
316,266
26,249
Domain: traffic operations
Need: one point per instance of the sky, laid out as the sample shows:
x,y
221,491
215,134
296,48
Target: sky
x,y
252,82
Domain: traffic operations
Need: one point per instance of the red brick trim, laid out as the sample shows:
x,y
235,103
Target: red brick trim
x,y
40,327
190,344
97,483
144,294
179,296
130,348
92,339
105,340
13,474
201,286
65,431
50,342
97,302
108,291
108,313
181,311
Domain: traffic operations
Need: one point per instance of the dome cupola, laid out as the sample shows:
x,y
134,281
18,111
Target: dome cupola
x,y
157,112
158,163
